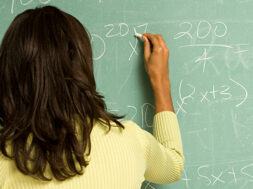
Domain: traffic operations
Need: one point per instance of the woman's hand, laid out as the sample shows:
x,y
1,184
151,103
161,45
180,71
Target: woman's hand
x,y
156,55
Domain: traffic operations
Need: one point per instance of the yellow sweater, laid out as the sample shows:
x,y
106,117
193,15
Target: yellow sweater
x,y
119,160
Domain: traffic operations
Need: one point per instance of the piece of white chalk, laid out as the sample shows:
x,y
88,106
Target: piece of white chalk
x,y
138,35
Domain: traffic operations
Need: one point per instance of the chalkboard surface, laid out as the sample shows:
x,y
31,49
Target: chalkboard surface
x,y
211,67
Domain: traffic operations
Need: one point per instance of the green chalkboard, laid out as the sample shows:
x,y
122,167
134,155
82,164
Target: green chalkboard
x,y
211,67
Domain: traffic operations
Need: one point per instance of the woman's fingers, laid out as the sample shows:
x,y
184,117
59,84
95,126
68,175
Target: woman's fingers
x,y
156,56
153,39
157,42
147,48
161,42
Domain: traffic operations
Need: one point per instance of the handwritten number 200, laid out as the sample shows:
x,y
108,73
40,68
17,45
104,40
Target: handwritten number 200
x,y
204,28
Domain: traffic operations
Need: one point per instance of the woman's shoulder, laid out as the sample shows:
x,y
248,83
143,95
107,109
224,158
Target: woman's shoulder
x,y
130,127
135,130
133,126
4,166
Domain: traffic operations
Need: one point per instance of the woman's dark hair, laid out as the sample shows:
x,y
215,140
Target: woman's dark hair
x,y
47,88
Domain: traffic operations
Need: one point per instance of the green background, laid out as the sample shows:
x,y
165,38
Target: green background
x,y
210,44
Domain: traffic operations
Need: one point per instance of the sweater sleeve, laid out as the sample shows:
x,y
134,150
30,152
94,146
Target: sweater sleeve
x,y
163,151
3,170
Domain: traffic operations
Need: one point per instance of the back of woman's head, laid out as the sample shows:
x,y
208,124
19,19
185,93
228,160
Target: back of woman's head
x,y
46,85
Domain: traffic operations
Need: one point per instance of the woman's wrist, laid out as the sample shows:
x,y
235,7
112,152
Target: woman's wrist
x,y
160,84
162,95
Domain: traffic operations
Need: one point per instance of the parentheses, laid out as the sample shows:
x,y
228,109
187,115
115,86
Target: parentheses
x,y
104,46
244,89
144,109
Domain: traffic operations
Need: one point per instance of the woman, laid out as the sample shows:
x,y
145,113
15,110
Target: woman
x,y
56,132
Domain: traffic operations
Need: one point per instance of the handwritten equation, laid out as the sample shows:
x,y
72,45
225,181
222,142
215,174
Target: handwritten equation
x,y
205,76
117,31
219,175
220,93
194,34
215,31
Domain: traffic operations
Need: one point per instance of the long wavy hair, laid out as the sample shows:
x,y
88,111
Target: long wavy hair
x,y
47,86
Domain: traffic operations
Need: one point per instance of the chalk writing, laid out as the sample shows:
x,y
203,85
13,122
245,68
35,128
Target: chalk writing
x,y
97,39
237,57
146,107
133,48
185,178
146,110
220,93
27,2
124,30
183,99
203,30
244,90
184,33
204,59
207,45
121,30
220,29
202,25
210,175
149,186
133,109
